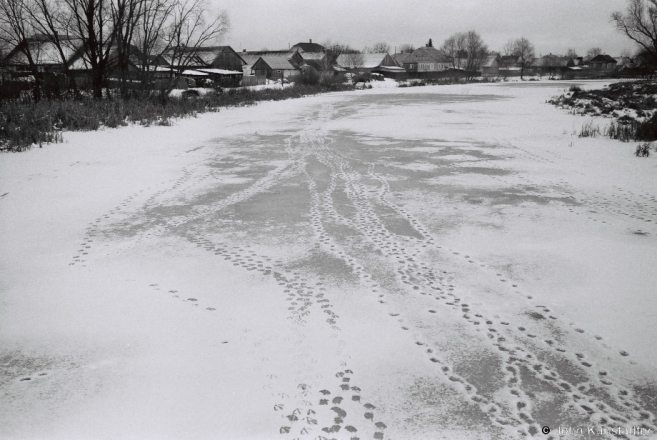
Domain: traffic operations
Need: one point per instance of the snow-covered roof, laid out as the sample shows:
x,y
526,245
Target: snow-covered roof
x,y
278,62
220,71
313,55
250,58
152,68
489,61
194,73
43,52
197,56
392,69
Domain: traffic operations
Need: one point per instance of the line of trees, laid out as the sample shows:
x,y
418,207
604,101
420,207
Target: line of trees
x,y
110,34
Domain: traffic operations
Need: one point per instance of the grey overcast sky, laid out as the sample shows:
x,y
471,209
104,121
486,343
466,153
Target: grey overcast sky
x,y
553,26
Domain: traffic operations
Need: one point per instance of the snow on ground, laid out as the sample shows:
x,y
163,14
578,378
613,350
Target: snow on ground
x,y
419,263
177,93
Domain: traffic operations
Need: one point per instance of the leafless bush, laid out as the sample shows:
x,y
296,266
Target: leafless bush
x,y
643,150
589,130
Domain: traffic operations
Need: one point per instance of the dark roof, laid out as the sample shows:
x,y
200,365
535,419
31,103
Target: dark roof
x,y
260,53
507,60
603,59
489,61
399,58
307,47
426,54
202,56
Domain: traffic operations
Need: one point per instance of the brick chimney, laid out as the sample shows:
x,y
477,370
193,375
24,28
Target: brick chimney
x,y
311,40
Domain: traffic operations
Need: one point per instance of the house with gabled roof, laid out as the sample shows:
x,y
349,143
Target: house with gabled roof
x,y
547,65
45,54
490,66
210,57
275,67
427,62
221,64
602,62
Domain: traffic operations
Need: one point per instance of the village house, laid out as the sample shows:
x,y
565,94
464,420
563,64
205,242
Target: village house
x,y
602,62
509,65
44,53
490,66
426,62
275,68
71,66
550,65
298,57
221,64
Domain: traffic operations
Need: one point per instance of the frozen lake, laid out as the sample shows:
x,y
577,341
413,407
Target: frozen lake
x,y
419,263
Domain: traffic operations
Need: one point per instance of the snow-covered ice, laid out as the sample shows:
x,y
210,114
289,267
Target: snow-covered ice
x,y
405,263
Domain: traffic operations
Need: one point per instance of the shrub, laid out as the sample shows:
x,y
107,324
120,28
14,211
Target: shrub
x,y
647,130
23,124
309,76
643,150
622,130
589,130
361,77
331,81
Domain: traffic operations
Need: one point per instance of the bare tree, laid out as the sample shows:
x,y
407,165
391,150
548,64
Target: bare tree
x,y
15,29
333,51
149,35
509,48
639,24
353,60
381,47
476,52
466,50
92,23
191,26
593,52
571,53
552,64
524,50
406,48
454,48
126,15
51,21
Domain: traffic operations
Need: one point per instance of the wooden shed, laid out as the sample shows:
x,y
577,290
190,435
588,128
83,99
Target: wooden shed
x,y
275,67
